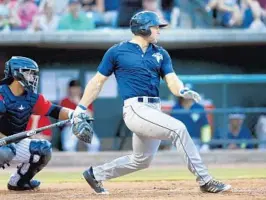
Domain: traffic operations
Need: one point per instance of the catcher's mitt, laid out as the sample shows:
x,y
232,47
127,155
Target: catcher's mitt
x,y
81,127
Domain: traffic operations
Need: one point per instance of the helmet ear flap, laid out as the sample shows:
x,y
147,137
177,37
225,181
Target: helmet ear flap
x,y
17,75
7,71
145,32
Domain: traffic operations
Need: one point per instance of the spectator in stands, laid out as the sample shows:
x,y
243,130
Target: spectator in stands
x,y
228,11
208,106
252,15
261,131
238,131
37,121
27,10
9,19
104,12
38,2
196,122
152,5
75,18
69,141
171,12
4,18
47,20
111,12
95,9
126,10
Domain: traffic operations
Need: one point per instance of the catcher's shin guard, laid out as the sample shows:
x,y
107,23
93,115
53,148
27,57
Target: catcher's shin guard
x,y
41,152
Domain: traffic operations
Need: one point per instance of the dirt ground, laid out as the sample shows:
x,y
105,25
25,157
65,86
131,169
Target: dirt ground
x,y
163,190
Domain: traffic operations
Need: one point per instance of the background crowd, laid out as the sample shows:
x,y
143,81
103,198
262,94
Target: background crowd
x,y
86,15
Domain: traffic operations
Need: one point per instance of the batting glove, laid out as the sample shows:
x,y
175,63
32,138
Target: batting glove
x,y
189,94
79,110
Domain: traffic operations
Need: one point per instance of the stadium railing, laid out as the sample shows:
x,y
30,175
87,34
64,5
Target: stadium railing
x,y
222,112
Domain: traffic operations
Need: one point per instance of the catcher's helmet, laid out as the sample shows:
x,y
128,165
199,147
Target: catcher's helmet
x,y
141,22
24,70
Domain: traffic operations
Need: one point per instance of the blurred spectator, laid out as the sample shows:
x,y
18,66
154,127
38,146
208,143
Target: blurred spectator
x,y
262,3
111,12
4,18
37,121
227,12
230,12
75,18
94,8
92,5
126,10
38,2
208,105
12,4
196,122
8,17
171,12
252,15
47,20
69,141
238,131
26,11
261,131
104,12
152,5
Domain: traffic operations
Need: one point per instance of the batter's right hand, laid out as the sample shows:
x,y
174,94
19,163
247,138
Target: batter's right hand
x,y
189,94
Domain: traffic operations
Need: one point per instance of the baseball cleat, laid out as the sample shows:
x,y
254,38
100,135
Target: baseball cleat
x,y
214,186
95,185
32,185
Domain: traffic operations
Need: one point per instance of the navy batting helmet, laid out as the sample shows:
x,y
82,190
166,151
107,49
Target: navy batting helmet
x,y
141,22
23,69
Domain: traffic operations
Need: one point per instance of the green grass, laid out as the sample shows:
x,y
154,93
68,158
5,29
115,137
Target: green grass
x,y
149,175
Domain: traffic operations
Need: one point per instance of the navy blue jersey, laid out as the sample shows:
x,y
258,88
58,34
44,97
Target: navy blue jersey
x,y
137,73
15,111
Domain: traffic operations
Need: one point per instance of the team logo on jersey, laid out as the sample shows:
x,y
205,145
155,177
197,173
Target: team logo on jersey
x,y
195,116
21,107
158,57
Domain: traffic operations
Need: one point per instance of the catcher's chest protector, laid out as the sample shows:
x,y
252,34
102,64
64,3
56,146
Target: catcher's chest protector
x,y
18,111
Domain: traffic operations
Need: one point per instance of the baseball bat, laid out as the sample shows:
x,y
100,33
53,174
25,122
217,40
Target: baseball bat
x,y
25,134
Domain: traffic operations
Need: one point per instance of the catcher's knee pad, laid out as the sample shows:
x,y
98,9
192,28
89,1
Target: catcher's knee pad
x,y
142,161
41,153
7,153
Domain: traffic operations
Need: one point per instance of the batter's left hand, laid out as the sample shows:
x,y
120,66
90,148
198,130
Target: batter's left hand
x,y
189,94
81,124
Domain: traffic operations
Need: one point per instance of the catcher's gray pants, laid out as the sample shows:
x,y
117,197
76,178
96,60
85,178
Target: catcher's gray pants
x,y
150,126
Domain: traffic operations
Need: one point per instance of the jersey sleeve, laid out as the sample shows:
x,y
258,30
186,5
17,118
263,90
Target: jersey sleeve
x,y
166,66
107,64
42,106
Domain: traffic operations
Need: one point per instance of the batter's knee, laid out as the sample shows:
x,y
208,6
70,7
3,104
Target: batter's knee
x,y
178,132
142,161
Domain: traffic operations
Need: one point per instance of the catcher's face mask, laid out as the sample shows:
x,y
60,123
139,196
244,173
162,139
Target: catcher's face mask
x,y
29,79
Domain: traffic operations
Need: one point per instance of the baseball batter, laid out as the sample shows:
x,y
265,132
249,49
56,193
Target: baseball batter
x,y
138,65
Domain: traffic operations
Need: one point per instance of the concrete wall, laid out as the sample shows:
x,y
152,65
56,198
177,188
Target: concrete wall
x,y
81,159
